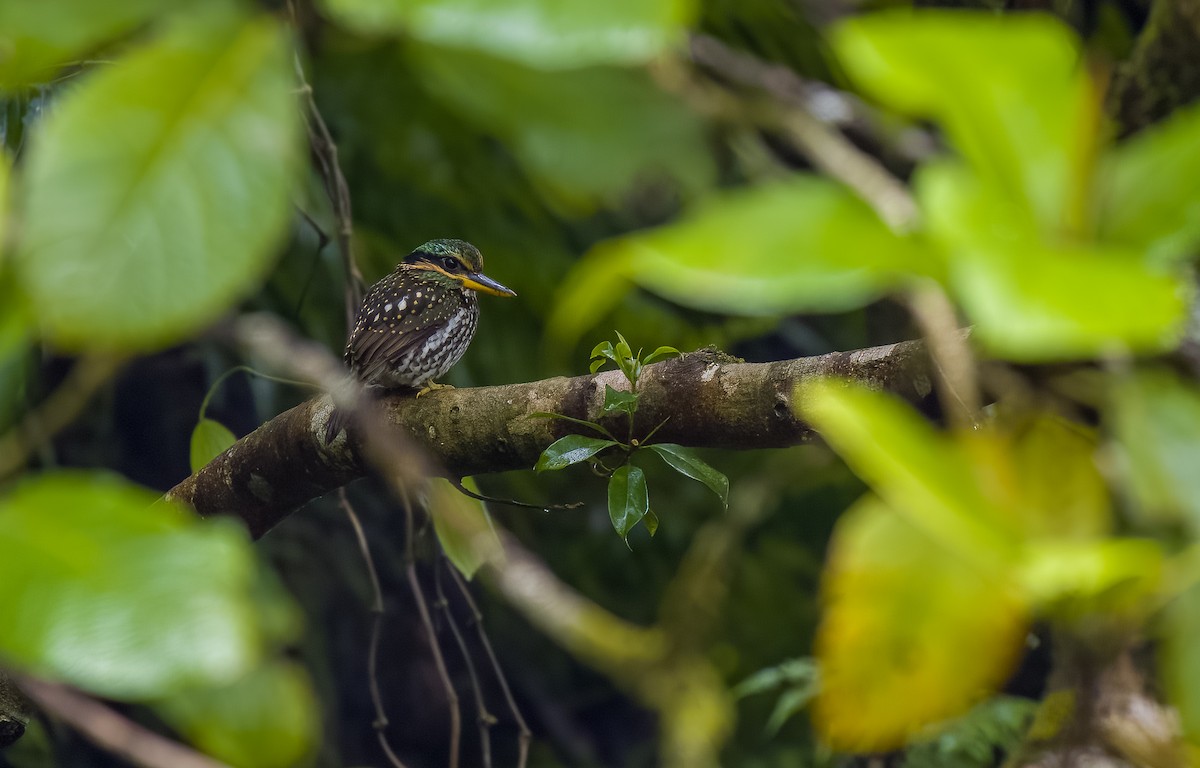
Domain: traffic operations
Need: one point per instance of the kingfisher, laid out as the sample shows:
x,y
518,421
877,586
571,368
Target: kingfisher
x,y
417,322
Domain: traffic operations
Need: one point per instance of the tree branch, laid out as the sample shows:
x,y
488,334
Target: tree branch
x,y
707,399
1163,72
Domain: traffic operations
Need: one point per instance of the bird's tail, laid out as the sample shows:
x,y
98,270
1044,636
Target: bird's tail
x,y
339,419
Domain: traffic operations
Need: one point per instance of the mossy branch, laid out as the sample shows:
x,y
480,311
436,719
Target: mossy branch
x,y
706,398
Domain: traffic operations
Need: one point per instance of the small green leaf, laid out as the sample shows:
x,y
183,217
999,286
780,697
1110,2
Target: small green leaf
x,y
789,703
616,400
651,522
660,352
209,440
176,163
128,596
462,524
628,498
569,450
603,350
794,671
267,719
687,463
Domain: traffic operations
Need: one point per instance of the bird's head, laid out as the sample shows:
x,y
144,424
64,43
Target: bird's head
x,y
455,262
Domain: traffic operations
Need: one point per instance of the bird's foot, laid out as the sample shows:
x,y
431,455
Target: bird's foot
x,y
433,385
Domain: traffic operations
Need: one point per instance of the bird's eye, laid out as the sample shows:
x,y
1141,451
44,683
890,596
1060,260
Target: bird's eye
x,y
450,263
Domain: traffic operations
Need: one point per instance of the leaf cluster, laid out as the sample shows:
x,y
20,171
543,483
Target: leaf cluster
x,y
609,456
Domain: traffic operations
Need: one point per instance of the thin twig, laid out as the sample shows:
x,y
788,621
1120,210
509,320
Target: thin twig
x,y
112,731
826,148
325,152
381,719
439,661
59,409
953,362
484,719
511,502
525,736
822,101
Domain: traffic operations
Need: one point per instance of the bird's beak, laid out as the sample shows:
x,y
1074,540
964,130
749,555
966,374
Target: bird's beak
x,y
477,281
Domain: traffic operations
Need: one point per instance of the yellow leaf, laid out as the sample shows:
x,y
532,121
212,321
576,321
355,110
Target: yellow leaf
x,y
912,633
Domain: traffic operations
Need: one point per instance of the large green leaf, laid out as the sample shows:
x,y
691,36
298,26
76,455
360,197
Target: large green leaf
x,y
1009,91
688,464
1156,417
267,719
917,472
903,642
1042,303
156,191
569,450
803,245
562,127
541,33
628,498
1149,189
1033,298
109,590
39,37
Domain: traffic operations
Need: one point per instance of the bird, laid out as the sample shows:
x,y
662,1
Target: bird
x,y
416,322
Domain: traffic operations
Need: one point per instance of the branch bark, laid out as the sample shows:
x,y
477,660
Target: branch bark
x,y
1163,72
706,398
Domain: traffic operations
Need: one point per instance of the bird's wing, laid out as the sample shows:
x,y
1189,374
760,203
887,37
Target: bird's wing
x,y
372,350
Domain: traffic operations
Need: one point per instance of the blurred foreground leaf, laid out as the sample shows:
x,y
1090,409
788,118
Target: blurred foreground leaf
x,y
1157,421
1009,90
1150,190
36,39
459,521
155,191
1072,579
899,611
803,245
1041,471
111,590
540,33
1036,303
564,128
209,440
1179,663
267,719
917,471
